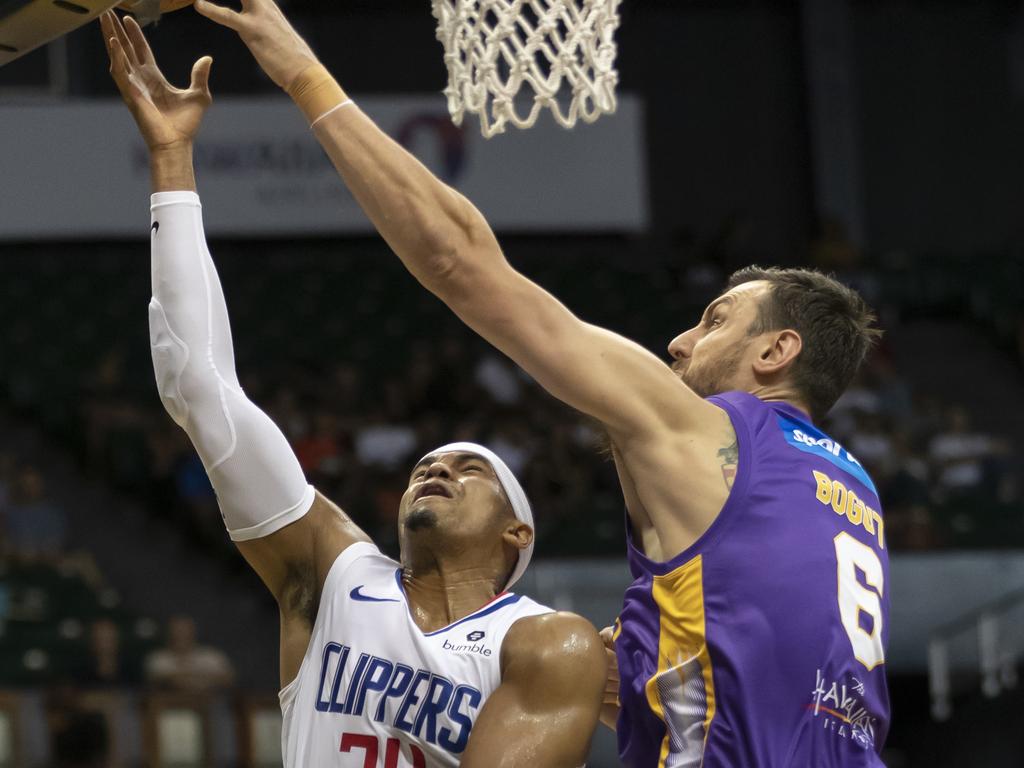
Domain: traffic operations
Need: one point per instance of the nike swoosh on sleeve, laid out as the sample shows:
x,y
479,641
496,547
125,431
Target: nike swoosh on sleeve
x,y
355,594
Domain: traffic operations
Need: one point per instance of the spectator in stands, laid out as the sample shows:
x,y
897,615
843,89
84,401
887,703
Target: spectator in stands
x,y
197,497
960,457
319,452
502,381
184,665
79,737
386,442
81,741
907,493
871,443
36,526
105,665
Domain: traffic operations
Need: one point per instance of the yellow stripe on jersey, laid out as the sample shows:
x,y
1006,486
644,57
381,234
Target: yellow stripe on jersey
x,y
682,692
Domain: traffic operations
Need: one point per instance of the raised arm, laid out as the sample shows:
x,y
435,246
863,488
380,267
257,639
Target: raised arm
x,y
447,244
544,713
288,533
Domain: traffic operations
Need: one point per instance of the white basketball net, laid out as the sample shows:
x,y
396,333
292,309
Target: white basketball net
x,y
495,47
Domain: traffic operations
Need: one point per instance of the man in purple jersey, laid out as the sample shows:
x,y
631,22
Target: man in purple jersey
x,y
754,633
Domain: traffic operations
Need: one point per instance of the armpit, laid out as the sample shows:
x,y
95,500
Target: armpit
x,y
300,596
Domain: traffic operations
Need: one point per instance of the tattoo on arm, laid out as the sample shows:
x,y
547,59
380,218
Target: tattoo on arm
x,y
730,459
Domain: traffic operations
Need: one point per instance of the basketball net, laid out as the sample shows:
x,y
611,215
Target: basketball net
x,y
495,48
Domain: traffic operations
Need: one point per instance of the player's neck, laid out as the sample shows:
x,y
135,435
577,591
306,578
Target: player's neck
x,y
781,394
440,595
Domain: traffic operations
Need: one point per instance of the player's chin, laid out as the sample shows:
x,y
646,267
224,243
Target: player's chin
x,y
420,517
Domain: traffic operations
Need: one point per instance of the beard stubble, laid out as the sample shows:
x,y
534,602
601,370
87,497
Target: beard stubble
x,y
714,377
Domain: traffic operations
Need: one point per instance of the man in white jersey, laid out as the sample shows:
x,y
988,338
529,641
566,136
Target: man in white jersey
x,y
430,662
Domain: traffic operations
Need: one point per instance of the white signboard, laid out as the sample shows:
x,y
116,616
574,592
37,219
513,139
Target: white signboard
x,y
80,170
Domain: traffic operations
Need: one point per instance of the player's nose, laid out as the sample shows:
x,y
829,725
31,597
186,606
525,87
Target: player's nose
x,y
439,469
681,347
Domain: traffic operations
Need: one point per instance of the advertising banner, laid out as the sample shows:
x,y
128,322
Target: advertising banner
x,y
79,170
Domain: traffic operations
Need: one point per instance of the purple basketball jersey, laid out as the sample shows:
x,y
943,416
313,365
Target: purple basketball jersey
x,y
763,644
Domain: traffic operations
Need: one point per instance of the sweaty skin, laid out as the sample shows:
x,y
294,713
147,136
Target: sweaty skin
x,y
452,566
656,416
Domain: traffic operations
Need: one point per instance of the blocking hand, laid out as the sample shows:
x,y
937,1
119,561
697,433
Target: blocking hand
x,y
167,116
277,47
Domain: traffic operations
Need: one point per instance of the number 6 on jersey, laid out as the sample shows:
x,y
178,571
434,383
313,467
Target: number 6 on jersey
x,y
855,598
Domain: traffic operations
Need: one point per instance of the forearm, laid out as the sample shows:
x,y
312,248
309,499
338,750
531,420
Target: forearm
x,y
260,485
171,169
434,230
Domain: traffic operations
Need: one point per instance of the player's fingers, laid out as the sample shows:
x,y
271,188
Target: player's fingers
x,y
139,42
122,37
608,637
107,21
120,64
223,16
107,31
120,69
201,75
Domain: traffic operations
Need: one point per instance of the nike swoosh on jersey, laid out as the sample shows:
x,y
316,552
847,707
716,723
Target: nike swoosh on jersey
x,y
355,594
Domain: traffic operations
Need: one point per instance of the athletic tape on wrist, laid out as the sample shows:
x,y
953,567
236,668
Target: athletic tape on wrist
x,y
332,110
316,92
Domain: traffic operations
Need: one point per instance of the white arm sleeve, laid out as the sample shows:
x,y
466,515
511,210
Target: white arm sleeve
x,y
259,483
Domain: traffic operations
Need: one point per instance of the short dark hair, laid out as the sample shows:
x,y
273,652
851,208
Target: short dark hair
x,y
833,320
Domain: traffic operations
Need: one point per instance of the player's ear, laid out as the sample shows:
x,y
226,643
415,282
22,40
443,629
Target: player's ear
x,y
518,535
778,351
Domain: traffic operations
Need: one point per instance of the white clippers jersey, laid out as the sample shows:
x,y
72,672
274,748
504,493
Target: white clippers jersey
x,y
373,690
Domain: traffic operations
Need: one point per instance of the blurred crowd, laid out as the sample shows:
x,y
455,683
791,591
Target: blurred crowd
x,y
357,439
365,372
943,481
64,629
64,632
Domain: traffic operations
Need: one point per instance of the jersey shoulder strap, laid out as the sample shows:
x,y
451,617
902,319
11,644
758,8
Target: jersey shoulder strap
x,y
516,607
360,565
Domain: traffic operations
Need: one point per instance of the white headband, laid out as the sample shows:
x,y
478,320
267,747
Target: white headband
x,y
513,490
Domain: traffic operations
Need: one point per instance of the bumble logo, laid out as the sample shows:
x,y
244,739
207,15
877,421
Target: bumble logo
x,y
473,646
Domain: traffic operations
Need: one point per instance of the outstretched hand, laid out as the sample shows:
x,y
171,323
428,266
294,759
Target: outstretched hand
x,y
277,47
167,116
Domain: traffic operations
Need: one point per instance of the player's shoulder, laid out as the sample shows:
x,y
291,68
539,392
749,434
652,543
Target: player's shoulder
x,y
364,564
549,642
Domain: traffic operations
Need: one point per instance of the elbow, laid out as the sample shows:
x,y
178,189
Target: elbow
x,y
170,356
457,259
441,264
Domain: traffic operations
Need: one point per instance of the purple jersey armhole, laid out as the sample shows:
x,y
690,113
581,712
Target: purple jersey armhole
x,y
733,506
